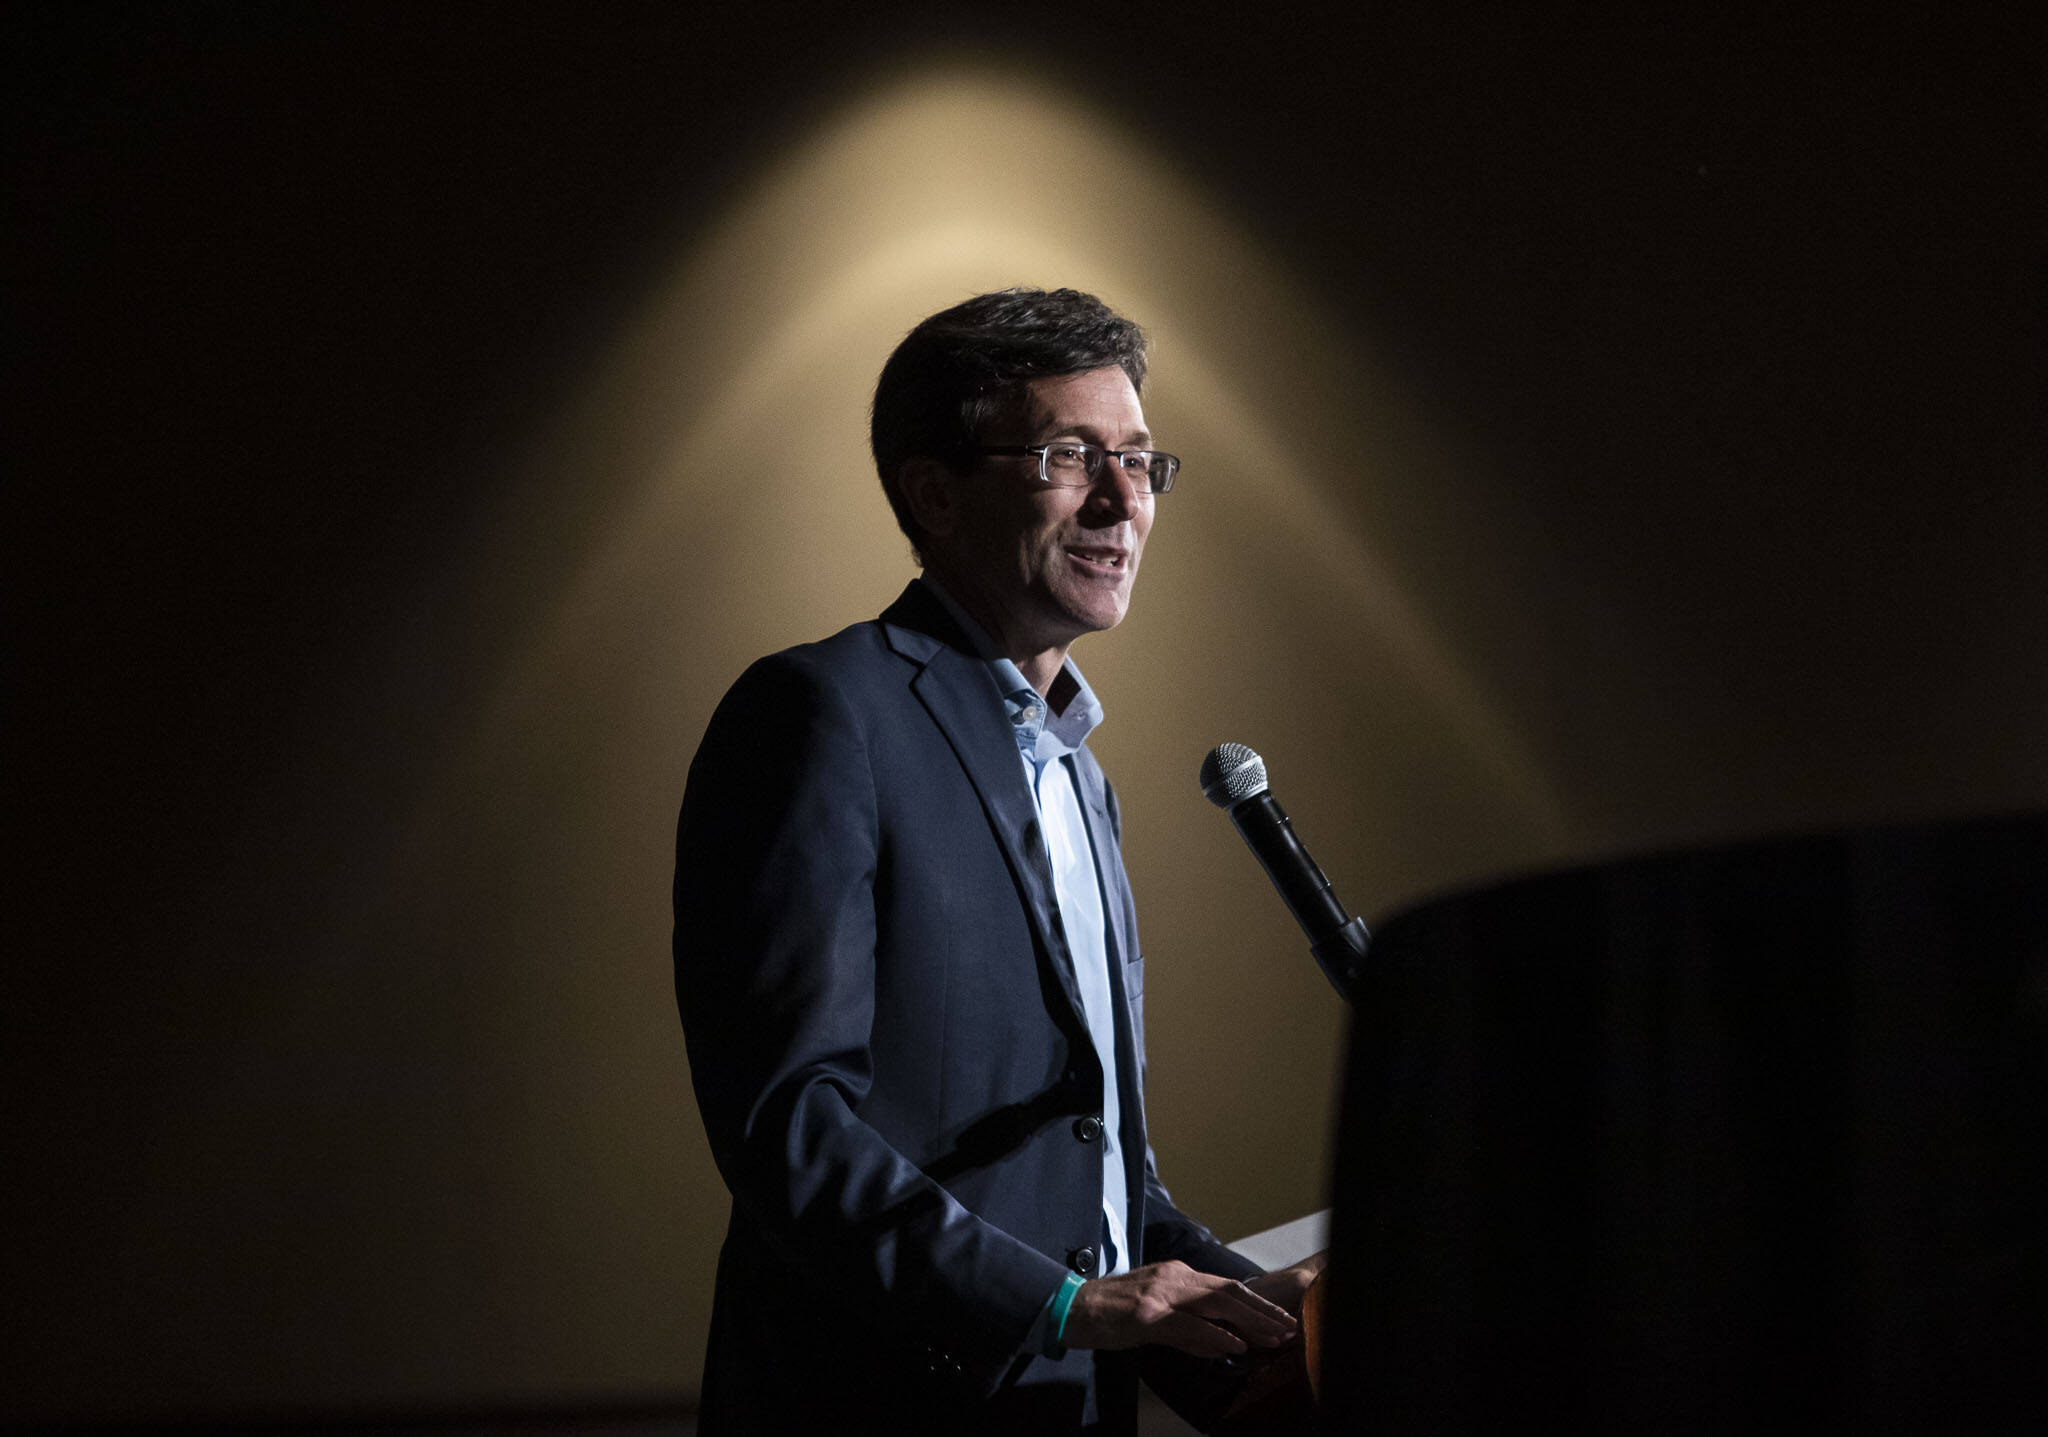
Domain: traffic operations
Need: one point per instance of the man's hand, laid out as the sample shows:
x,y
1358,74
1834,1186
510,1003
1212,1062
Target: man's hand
x,y
1171,1304
1287,1286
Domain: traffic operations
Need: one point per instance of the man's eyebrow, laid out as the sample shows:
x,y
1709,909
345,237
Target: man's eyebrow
x,y
1139,438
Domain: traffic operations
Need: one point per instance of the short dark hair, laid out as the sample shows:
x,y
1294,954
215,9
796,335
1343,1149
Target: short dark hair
x,y
962,368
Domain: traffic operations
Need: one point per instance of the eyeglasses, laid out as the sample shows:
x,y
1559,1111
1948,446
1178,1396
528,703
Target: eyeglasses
x,y
1071,464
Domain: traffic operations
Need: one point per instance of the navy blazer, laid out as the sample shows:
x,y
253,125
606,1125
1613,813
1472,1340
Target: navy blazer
x,y
888,1052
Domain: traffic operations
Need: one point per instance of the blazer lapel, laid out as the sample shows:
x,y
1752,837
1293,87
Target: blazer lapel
x,y
960,693
1109,866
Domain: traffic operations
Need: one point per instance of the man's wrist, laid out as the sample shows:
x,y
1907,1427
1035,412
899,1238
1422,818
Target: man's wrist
x,y
1052,1321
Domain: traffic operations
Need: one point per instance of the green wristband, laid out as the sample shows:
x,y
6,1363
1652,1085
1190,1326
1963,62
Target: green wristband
x,y
1062,1303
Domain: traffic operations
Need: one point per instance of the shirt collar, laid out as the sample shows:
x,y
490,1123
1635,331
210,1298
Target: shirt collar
x,y
1041,734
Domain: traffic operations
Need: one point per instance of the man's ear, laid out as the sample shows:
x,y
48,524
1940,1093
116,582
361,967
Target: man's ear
x,y
930,489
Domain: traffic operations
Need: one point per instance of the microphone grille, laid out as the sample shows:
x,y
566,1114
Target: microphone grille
x,y
1231,774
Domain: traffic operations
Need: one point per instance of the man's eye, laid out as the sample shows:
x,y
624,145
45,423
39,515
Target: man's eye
x,y
1067,453
1137,461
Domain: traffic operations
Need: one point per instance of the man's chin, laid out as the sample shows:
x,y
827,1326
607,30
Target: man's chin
x,y
1068,614
1096,617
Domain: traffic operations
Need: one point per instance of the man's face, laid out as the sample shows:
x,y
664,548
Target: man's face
x,y
1050,563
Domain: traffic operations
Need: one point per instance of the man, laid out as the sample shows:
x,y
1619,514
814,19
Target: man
x,y
906,953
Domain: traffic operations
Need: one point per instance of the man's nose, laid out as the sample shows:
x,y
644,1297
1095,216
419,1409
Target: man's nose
x,y
1116,490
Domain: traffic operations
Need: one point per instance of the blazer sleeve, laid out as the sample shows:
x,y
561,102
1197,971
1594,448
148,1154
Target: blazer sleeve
x,y
775,937
1171,1233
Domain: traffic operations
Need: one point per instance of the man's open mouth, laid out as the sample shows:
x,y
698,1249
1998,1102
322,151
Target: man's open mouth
x,y
1107,558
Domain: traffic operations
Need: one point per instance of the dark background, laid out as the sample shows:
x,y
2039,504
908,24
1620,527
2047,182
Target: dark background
x,y
1739,309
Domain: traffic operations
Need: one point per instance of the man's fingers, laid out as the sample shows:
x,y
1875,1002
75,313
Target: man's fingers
x,y
1249,1313
1238,1292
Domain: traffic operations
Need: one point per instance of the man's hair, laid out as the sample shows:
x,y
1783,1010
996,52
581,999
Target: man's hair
x,y
965,367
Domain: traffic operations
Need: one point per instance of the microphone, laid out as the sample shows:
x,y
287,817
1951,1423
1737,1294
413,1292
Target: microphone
x,y
1234,779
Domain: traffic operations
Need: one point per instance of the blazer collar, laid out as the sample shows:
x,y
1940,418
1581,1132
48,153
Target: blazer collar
x,y
918,627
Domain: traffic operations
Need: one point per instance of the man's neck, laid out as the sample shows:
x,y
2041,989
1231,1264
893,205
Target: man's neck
x,y
1040,665
1041,670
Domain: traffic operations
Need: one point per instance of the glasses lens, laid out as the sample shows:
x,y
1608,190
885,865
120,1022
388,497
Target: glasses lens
x,y
1160,469
1071,463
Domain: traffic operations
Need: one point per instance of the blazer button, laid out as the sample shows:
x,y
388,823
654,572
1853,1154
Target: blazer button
x,y
1082,1260
1088,1129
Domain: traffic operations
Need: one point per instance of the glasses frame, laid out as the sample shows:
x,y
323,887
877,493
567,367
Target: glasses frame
x,y
1042,451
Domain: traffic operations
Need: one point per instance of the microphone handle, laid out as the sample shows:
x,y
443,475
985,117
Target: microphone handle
x,y
1337,941
1302,885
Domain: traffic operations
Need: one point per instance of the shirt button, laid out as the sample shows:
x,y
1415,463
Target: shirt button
x,y
1088,1129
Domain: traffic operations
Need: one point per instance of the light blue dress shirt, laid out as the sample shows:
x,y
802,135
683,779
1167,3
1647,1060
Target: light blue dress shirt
x,y
1046,743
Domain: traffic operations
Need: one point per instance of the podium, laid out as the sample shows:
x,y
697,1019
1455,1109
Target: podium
x,y
1726,1141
